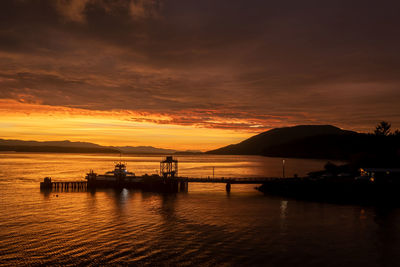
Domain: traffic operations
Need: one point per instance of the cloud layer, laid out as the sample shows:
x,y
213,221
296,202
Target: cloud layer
x,y
239,65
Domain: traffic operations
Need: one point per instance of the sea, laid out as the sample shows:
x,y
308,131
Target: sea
x,y
205,226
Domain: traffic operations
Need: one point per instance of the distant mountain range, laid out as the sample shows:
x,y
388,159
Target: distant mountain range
x,y
303,141
316,141
81,147
66,143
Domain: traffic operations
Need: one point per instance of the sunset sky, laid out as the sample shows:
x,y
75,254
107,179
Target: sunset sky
x,y
189,74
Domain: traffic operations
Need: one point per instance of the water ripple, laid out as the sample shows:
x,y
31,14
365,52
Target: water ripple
x,y
204,227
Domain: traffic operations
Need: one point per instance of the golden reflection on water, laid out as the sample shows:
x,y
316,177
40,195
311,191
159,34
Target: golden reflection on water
x,y
204,226
28,168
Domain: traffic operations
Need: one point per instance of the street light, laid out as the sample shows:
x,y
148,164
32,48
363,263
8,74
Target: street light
x,y
283,168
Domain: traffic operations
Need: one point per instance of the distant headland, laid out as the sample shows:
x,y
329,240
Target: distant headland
x,y
81,147
381,147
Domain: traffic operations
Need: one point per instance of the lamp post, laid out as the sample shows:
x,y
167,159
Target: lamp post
x,y
283,168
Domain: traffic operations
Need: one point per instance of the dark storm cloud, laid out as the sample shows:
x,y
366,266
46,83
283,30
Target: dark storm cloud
x,y
268,62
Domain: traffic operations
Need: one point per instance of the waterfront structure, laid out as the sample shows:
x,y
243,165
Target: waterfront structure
x,y
370,185
379,174
167,181
169,167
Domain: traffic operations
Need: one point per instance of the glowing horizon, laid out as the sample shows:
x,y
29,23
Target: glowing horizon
x,y
38,122
35,122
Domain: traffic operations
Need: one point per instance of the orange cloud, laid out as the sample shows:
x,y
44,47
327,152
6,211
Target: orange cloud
x,y
40,122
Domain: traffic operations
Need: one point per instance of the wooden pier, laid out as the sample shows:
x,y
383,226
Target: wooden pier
x,y
64,185
167,181
172,184
225,180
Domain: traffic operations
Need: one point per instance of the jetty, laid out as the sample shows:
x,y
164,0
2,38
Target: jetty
x,y
64,185
372,184
167,181
173,184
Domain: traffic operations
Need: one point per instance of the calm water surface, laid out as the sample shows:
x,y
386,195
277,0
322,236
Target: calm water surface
x,y
205,226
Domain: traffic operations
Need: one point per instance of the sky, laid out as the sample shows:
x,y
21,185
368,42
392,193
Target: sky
x,y
188,74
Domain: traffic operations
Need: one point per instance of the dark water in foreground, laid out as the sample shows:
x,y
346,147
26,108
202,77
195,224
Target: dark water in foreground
x,y
205,226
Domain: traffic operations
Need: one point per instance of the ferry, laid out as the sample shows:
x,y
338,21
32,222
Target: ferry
x,y
118,175
167,181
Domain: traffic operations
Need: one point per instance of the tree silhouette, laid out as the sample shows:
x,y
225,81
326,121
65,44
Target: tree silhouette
x,y
383,128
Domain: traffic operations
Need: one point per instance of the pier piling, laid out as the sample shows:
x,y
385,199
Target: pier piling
x,y
62,186
228,187
183,186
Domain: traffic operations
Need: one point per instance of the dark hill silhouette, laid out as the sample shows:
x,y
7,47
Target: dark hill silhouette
x,y
79,147
65,143
320,142
261,143
58,149
53,146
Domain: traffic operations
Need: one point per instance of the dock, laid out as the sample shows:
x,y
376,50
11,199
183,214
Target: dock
x,y
174,184
228,180
167,181
63,185
371,186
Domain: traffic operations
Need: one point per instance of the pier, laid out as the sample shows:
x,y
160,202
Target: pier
x,y
167,181
63,185
174,184
227,180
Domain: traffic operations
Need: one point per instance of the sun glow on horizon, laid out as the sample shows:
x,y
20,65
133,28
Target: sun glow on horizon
x,y
38,122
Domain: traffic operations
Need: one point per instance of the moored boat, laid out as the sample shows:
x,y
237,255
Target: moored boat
x,y
120,177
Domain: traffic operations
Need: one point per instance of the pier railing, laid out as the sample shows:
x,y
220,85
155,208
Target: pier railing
x,y
253,180
64,185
